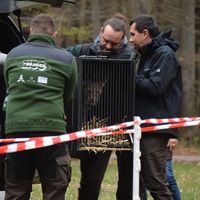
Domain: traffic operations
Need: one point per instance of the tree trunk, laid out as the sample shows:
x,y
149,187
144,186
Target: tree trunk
x,y
197,31
83,9
140,6
95,18
188,57
188,48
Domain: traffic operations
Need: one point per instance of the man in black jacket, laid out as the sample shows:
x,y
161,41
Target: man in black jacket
x,y
158,95
112,40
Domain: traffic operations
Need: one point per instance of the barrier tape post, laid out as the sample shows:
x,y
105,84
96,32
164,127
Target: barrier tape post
x,y
136,158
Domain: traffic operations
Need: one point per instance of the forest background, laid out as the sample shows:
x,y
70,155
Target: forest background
x,y
80,23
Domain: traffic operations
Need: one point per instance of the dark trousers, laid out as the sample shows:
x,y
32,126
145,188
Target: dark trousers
x,y
53,166
2,173
153,166
170,178
2,156
93,168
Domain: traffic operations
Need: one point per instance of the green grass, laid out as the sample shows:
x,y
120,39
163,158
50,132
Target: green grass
x,y
187,175
188,179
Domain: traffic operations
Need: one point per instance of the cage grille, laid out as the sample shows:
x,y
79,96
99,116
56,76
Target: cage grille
x,y
104,97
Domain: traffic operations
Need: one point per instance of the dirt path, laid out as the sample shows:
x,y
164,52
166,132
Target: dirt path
x,y
186,155
186,158
181,155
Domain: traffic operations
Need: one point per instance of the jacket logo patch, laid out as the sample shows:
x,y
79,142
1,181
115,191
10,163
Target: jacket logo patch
x,y
34,65
42,79
21,79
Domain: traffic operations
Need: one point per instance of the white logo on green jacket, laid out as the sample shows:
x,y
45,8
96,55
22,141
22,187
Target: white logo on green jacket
x,y
34,65
21,79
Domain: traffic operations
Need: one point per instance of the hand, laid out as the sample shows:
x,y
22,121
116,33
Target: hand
x,y
172,143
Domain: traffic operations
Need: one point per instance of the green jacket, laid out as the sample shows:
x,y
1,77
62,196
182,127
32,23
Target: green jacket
x,y
40,79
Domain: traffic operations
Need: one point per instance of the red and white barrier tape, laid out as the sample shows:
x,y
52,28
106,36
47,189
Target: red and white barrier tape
x,y
113,127
170,120
33,143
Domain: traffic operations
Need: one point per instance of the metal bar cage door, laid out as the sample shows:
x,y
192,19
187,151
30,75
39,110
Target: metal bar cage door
x,y
104,96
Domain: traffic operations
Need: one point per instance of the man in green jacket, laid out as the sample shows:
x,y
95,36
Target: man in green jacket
x,y
40,79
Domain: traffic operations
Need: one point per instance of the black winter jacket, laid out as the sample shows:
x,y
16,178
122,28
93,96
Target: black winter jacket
x,y
159,81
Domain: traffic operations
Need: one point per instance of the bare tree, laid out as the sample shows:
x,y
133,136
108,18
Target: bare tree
x,y
197,43
95,17
188,52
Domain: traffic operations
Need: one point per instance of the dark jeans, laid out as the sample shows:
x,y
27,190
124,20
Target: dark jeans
x,y
153,166
172,181
53,166
93,168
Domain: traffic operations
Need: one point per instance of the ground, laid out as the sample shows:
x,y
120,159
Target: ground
x,y
180,150
185,154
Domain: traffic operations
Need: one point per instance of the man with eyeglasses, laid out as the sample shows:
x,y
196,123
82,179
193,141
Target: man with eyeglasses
x,y
112,42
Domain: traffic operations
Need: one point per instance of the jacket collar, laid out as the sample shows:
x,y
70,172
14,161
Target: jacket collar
x,y
163,39
95,47
36,37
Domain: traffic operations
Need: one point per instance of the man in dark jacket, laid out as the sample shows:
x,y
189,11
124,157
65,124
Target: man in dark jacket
x,y
40,79
158,95
111,40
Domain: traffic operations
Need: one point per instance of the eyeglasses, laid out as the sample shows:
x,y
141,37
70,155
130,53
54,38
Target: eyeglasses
x,y
113,44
